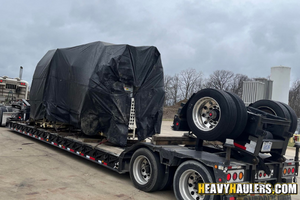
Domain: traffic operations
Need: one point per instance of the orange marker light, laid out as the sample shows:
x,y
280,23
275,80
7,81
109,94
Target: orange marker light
x,y
241,175
284,171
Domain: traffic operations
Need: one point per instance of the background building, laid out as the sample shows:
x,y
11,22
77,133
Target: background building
x,y
277,88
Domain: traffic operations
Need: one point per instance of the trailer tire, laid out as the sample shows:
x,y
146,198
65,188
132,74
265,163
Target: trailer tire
x,y
211,114
242,116
293,117
271,107
168,179
187,177
274,108
145,170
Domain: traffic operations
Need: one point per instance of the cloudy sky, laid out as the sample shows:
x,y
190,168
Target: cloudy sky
x,y
247,37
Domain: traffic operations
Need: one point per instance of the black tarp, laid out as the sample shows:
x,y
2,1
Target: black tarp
x,y
84,86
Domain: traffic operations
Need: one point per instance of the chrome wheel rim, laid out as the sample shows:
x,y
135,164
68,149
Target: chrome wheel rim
x,y
188,185
206,113
142,170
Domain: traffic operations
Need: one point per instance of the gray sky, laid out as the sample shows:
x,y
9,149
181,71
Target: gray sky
x,y
247,37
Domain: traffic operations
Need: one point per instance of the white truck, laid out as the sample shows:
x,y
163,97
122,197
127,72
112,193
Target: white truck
x,y
12,90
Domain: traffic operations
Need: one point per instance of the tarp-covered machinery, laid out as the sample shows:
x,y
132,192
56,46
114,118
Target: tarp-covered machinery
x,y
92,87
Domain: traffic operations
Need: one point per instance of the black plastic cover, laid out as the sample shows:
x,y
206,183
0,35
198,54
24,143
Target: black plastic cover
x,y
84,86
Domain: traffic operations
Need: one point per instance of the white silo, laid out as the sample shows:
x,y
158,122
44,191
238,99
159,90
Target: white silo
x,y
281,83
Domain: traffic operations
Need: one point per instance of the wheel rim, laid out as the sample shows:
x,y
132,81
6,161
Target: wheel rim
x,y
188,185
206,113
142,170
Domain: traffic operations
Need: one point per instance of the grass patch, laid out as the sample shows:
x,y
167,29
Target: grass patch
x,y
291,144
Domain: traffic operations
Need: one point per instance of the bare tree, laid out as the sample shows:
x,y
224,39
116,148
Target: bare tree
x,y
199,85
175,93
294,97
237,84
220,79
168,88
190,80
182,86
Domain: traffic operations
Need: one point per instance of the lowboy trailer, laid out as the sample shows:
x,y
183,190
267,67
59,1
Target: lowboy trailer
x,y
255,155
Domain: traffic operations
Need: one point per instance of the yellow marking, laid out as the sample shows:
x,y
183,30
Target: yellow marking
x,y
201,187
232,188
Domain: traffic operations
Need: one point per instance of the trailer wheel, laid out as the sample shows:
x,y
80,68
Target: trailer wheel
x,y
293,117
271,107
211,114
186,179
274,108
167,182
242,116
145,170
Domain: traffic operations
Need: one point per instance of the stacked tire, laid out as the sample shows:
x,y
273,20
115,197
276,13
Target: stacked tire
x,y
215,115
278,109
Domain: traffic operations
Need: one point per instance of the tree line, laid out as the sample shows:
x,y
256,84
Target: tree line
x,y
294,97
181,86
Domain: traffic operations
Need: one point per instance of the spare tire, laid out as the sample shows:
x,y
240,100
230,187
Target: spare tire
x,y
293,117
274,108
211,114
242,116
271,107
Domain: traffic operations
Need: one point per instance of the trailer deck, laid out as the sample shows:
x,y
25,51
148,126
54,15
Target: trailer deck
x,y
31,169
111,156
